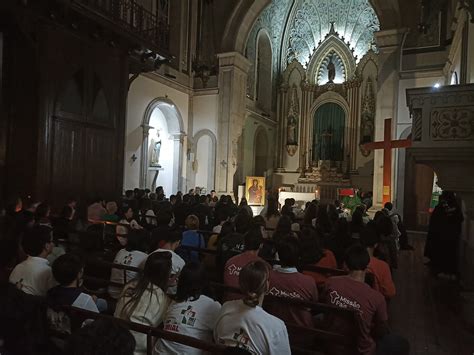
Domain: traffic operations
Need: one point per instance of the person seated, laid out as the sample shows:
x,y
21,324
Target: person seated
x,y
126,223
147,216
351,292
253,240
62,226
111,215
33,276
286,281
191,313
284,229
271,216
243,205
191,238
42,214
233,244
68,270
378,268
103,336
172,239
134,254
244,324
144,300
164,221
312,253
22,316
96,211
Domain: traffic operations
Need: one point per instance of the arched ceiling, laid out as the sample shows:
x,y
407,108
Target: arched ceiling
x,y
354,20
297,27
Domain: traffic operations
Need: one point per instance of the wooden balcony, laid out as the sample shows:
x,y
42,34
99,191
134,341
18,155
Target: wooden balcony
x,y
150,29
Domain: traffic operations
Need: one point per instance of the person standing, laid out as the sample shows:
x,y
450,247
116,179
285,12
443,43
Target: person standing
x,y
444,231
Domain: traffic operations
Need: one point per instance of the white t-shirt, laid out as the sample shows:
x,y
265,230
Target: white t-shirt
x,y
177,264
149,311
33,276
133,258
192,318
252,329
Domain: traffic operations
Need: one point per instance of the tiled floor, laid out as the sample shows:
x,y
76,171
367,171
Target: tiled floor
x,y
428,311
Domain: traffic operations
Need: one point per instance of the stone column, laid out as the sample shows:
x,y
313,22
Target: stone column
x,y
281,114
353,93
306,137
303,131
233,69
178,143
389,43
144,156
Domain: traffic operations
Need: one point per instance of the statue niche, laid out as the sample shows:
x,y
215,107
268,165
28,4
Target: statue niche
x,y
292,123
155,149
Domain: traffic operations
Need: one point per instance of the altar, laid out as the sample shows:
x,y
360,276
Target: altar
x,y
324,181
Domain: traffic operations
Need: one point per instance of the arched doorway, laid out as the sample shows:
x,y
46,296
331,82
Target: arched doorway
x,y
204,163
261,152
161,151
328,133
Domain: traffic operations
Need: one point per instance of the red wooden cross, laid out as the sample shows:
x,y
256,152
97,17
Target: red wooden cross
x,y
387,145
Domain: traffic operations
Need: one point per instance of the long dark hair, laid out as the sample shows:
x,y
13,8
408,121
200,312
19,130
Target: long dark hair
x,y
310,213
192,281
272,209
310,244
227,229
156,273
253,282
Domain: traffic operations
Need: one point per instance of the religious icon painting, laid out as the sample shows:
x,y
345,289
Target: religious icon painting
x,y
255,190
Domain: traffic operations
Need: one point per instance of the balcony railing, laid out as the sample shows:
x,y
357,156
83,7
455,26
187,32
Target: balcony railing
x,y
151,28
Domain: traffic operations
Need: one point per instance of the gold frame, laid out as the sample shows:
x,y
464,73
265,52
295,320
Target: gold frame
x,y
257,198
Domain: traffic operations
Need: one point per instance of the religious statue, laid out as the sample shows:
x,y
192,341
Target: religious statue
x,y
291,131
292,122
325,145
155,151
331,71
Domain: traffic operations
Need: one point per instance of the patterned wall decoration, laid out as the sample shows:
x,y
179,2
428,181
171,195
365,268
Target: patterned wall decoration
x,y
354,20
452,124
297,27
367,119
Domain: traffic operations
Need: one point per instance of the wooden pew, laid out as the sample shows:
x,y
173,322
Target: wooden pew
x,y
81,315
319,335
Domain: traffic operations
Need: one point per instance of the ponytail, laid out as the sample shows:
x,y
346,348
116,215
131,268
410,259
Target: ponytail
x,y
253,282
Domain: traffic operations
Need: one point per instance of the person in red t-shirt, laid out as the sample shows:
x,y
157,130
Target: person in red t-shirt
x,y
253,240
286,281
382,275
352,292
313,254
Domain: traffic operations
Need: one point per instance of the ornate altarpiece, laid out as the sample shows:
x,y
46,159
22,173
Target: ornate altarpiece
x,y
347,85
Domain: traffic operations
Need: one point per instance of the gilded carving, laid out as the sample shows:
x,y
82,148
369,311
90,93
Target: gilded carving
x,y
367,119
452,124
292,122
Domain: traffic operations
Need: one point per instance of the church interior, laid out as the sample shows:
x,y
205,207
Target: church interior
x,y
121,118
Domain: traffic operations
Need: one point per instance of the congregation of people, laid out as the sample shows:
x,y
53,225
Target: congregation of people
x,y
172,248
